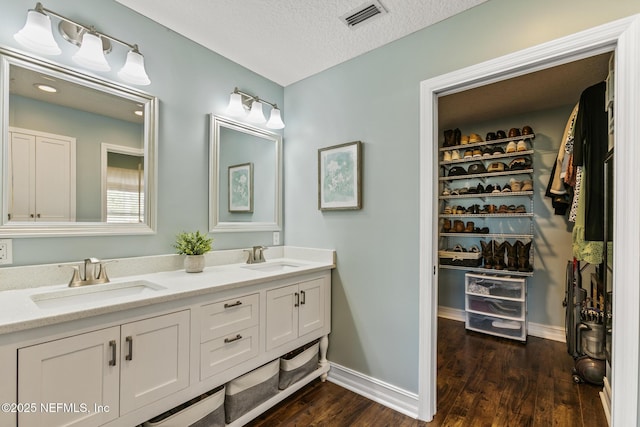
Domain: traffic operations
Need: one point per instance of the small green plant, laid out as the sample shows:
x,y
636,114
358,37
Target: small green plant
x,y
194,243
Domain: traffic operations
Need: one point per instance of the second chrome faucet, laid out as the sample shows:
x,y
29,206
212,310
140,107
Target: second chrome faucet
x,y
256,254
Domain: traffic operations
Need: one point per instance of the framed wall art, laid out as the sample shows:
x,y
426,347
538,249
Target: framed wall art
x,y
339,177
241,188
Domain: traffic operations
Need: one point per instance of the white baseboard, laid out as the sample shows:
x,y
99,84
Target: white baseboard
x,y
554,333
385,394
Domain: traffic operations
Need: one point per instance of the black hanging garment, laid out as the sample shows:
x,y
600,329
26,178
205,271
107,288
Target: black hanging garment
x,y
589,151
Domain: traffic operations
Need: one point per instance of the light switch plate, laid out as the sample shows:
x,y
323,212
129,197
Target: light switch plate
x,y
6,251
276,238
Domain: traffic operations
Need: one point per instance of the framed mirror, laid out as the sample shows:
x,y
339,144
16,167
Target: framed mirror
x,y
245,177
78,153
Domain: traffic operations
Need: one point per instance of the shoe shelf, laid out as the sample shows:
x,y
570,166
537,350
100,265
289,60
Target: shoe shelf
x,y
491,157
486,175
504,273
493,215
483,196
531,137
515,236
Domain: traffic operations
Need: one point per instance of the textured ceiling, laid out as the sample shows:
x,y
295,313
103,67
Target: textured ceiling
x,y
289,40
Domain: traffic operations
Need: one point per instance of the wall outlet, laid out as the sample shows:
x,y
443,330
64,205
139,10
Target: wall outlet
x,y
276,238
6,251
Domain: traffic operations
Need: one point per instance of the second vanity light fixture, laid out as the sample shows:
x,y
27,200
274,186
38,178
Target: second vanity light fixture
x,y
36,35
240,102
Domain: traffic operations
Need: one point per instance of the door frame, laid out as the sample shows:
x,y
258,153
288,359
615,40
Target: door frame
x,y
623,37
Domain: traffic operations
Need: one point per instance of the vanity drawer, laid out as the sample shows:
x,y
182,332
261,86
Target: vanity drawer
x,y
496,307
225,318
496,287
515,329
222,353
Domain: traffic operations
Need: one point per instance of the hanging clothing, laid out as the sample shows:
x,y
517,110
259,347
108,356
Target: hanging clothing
x,y
589,151
557,190
583,250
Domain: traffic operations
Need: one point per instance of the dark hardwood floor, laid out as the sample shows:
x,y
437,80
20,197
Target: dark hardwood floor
x,y
482,381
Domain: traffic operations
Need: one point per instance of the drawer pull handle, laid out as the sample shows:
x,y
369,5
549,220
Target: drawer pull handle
x,y
113,345
304,297
129,341
236,338
235,304
297,303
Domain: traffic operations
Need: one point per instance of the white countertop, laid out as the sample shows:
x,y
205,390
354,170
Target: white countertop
x,y
19,311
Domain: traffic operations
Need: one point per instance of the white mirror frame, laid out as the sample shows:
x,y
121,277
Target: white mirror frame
x,y
11,229
215,225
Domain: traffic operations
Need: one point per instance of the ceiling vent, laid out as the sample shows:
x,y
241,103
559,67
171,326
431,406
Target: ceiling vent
x,y
363,13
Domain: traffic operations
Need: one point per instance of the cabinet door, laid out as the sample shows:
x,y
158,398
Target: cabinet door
x,y
22,175
53,180
282,315
73,381
311,309
155,359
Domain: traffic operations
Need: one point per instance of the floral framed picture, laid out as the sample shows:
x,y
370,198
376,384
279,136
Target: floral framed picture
x,y
241,188
339,177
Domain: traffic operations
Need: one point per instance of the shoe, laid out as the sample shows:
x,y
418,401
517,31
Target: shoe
x,y
506,189
523,257
480,189
448,138
487,151
512,255
455,155
514,132
464,139
456,136
448,210
468,154
484,230
458,226
477,152
498,255
527,185
500,134
491,209
497,150
511,147
470,227
474,137
490,136
520,209
521,146
497,189
446,225
526,130
487,253
446,191
446,156
516,186
489,188
503,209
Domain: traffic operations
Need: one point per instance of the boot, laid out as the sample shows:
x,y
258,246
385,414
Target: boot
x,y
448,138
457,136
512,255
498,255
523,257
487,253
446,225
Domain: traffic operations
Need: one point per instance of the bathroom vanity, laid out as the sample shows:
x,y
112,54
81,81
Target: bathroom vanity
x,y
120,353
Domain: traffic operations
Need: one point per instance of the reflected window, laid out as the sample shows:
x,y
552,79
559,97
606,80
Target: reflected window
x,y
125,188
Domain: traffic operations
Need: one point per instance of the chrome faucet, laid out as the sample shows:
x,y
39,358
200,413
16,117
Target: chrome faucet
x,y
256,254
94,272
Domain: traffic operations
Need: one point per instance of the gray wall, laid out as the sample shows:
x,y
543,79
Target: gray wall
x,y
375,98
190,82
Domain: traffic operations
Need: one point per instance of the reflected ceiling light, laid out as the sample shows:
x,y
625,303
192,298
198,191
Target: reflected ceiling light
x,y
45,88
138,113
241,102
37,36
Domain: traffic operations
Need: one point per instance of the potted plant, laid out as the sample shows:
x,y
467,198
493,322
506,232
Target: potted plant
x,y
194,245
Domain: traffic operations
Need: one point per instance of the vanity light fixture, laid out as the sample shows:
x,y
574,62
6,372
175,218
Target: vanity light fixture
x,y
241,102
36,35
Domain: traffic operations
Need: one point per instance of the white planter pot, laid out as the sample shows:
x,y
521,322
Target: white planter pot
x,y
194,263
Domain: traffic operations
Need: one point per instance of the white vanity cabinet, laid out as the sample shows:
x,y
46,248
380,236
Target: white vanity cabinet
x,y
294,311
103,374
229,333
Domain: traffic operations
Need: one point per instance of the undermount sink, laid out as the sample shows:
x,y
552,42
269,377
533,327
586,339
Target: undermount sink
x,y
91,293
273,266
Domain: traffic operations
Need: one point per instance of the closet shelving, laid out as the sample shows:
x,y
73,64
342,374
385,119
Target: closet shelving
x,y
489,198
